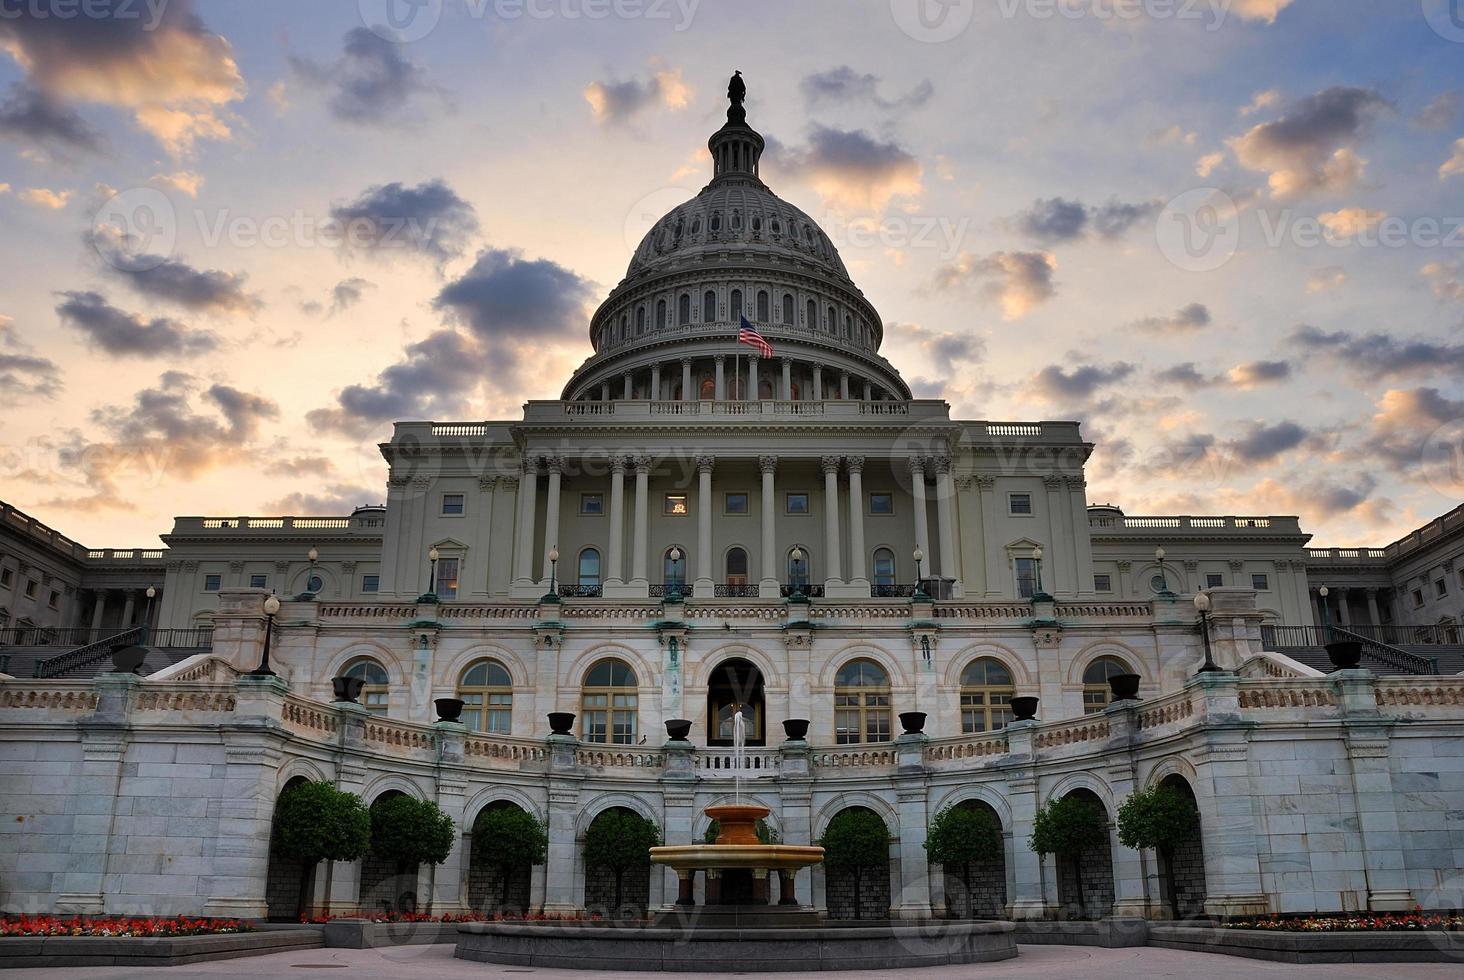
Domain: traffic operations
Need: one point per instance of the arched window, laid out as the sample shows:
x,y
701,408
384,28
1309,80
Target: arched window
x,y
1096,693
709,306
374,694
736,567
624,326
736,304
608,703
589,567
673,563
861,703
800,568
812,315
640,320
486,691
848,327
716,222
708,389
831,322
986,696
763,312
788,308
736,220
660,314
683,309
884,572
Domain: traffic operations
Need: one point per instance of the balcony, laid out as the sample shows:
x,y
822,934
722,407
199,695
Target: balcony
x,y
370,523
1157,526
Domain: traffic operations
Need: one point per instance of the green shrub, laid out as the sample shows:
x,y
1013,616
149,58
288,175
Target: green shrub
x,y
1068,827
856,840
314,822
507,838
407,832
961,836
620,840
1159,817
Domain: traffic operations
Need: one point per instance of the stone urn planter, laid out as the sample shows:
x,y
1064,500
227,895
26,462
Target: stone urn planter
x,y
347,689
1024,708
796,729
560,722
913,722
449,709
126,660
678,729
1125,687
1345,654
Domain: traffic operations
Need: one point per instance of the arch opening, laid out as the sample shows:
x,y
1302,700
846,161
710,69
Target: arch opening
x,y
736,683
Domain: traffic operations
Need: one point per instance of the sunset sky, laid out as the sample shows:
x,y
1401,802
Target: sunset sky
x,y
1223,234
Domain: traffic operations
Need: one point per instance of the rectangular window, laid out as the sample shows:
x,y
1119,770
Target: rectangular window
x,y
1441,588
30,589
447,578
1019,504
735,503
1102,583
881,504
6,577
1261,583
370,583
1213,581
1417,598
1026,577
55,601
796,503
676,505
211,583
592,504
258,581
453,504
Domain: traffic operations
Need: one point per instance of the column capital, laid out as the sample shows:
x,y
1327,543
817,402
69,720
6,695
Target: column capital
x,y
1371,591
964,483
554,464
642,464
767,464
704,463
986,482
1075,483
1052,482
487,482
854,463
508,482
618,465
830,464
719,358
686,362
942,464
1237,564
916,465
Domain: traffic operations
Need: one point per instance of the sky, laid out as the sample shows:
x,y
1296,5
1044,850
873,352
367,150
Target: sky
x,y
242,239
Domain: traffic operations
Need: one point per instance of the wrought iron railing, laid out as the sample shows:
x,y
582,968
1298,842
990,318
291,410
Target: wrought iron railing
x,y
581,591
1281,637
891,591
744,591
685,589
809,591
86,655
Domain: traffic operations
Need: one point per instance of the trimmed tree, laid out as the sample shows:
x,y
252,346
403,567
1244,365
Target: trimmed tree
x,y
1068,827
619,841
314,822
960,836
507,839
856,840
1159,818
408,832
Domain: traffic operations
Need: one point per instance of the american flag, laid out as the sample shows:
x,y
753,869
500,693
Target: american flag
x,y
748,335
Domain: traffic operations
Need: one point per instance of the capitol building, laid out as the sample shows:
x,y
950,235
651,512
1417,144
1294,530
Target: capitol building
x,y
701,525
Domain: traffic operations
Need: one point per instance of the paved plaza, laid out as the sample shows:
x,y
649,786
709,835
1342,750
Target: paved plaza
x,y
1035,963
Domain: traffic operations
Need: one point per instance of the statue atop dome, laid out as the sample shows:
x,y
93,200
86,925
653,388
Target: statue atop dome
x,y
736,93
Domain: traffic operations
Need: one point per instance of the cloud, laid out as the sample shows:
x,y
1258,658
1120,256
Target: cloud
x,y
173,280
371,83
30,116
1266,10
158,60
617,103
1454,166
1380,355
300,466
1056,384
843,84
1350,222
1405,420
1184,375
1311,149
1261,100
851,169
1440,113
944,348
429,219
1195,316
22,373
1326,279
505,298
1060,220
347,293
336,500
1447,279
182,181
1019,281
129,334
1252,374
44,197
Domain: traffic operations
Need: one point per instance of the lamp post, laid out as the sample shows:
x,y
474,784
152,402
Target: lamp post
x,y
1202,603
1039,593
919,559
554,570
798,573
432,556
147,614
1163,578
271,607
673,587
314,557
1326,613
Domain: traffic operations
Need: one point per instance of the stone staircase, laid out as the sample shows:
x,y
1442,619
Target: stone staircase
x,y
165,647
1450,658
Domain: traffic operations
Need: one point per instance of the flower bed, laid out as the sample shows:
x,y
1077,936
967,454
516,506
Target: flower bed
x,y
448,917
1354,922
118,927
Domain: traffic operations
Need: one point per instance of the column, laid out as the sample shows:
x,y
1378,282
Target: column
x,y
482,536
687,395
1344,615
912,901
1058,564
656,381
998,581
787,390
945,519
1077,489
754,392
704,588
615,553
99,607
844,385
922,520
818,392
642,521
1372,607
1026,898
857,558
604,391
128,608
721,381
551,510
523,573
629,386
868,391
768,588
834,574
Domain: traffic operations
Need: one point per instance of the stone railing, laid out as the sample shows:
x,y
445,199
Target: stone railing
x,y
1409,693
184,696
965,747
609,758
310,718
1060,734
399,736
722,762
1225,525
199,667
865,757
980,610
1266,664
1104,610
502,752
1165,711
1267,695
54,695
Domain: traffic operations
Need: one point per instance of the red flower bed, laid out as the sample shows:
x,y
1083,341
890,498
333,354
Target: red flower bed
x,y
118,927
448,917
1414,921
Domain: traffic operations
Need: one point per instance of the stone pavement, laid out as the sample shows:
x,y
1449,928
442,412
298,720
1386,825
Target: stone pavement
x,y
1035,963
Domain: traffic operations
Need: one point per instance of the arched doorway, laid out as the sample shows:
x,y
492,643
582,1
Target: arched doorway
x,y
384,886
1085,882
488,891
625,895
1182,866
987,897
289,887
736,683
859,891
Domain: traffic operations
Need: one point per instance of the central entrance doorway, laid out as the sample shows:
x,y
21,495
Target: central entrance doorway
x,y
734,684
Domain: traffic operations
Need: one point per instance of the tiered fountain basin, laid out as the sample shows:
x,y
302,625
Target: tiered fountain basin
x,y
748,937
